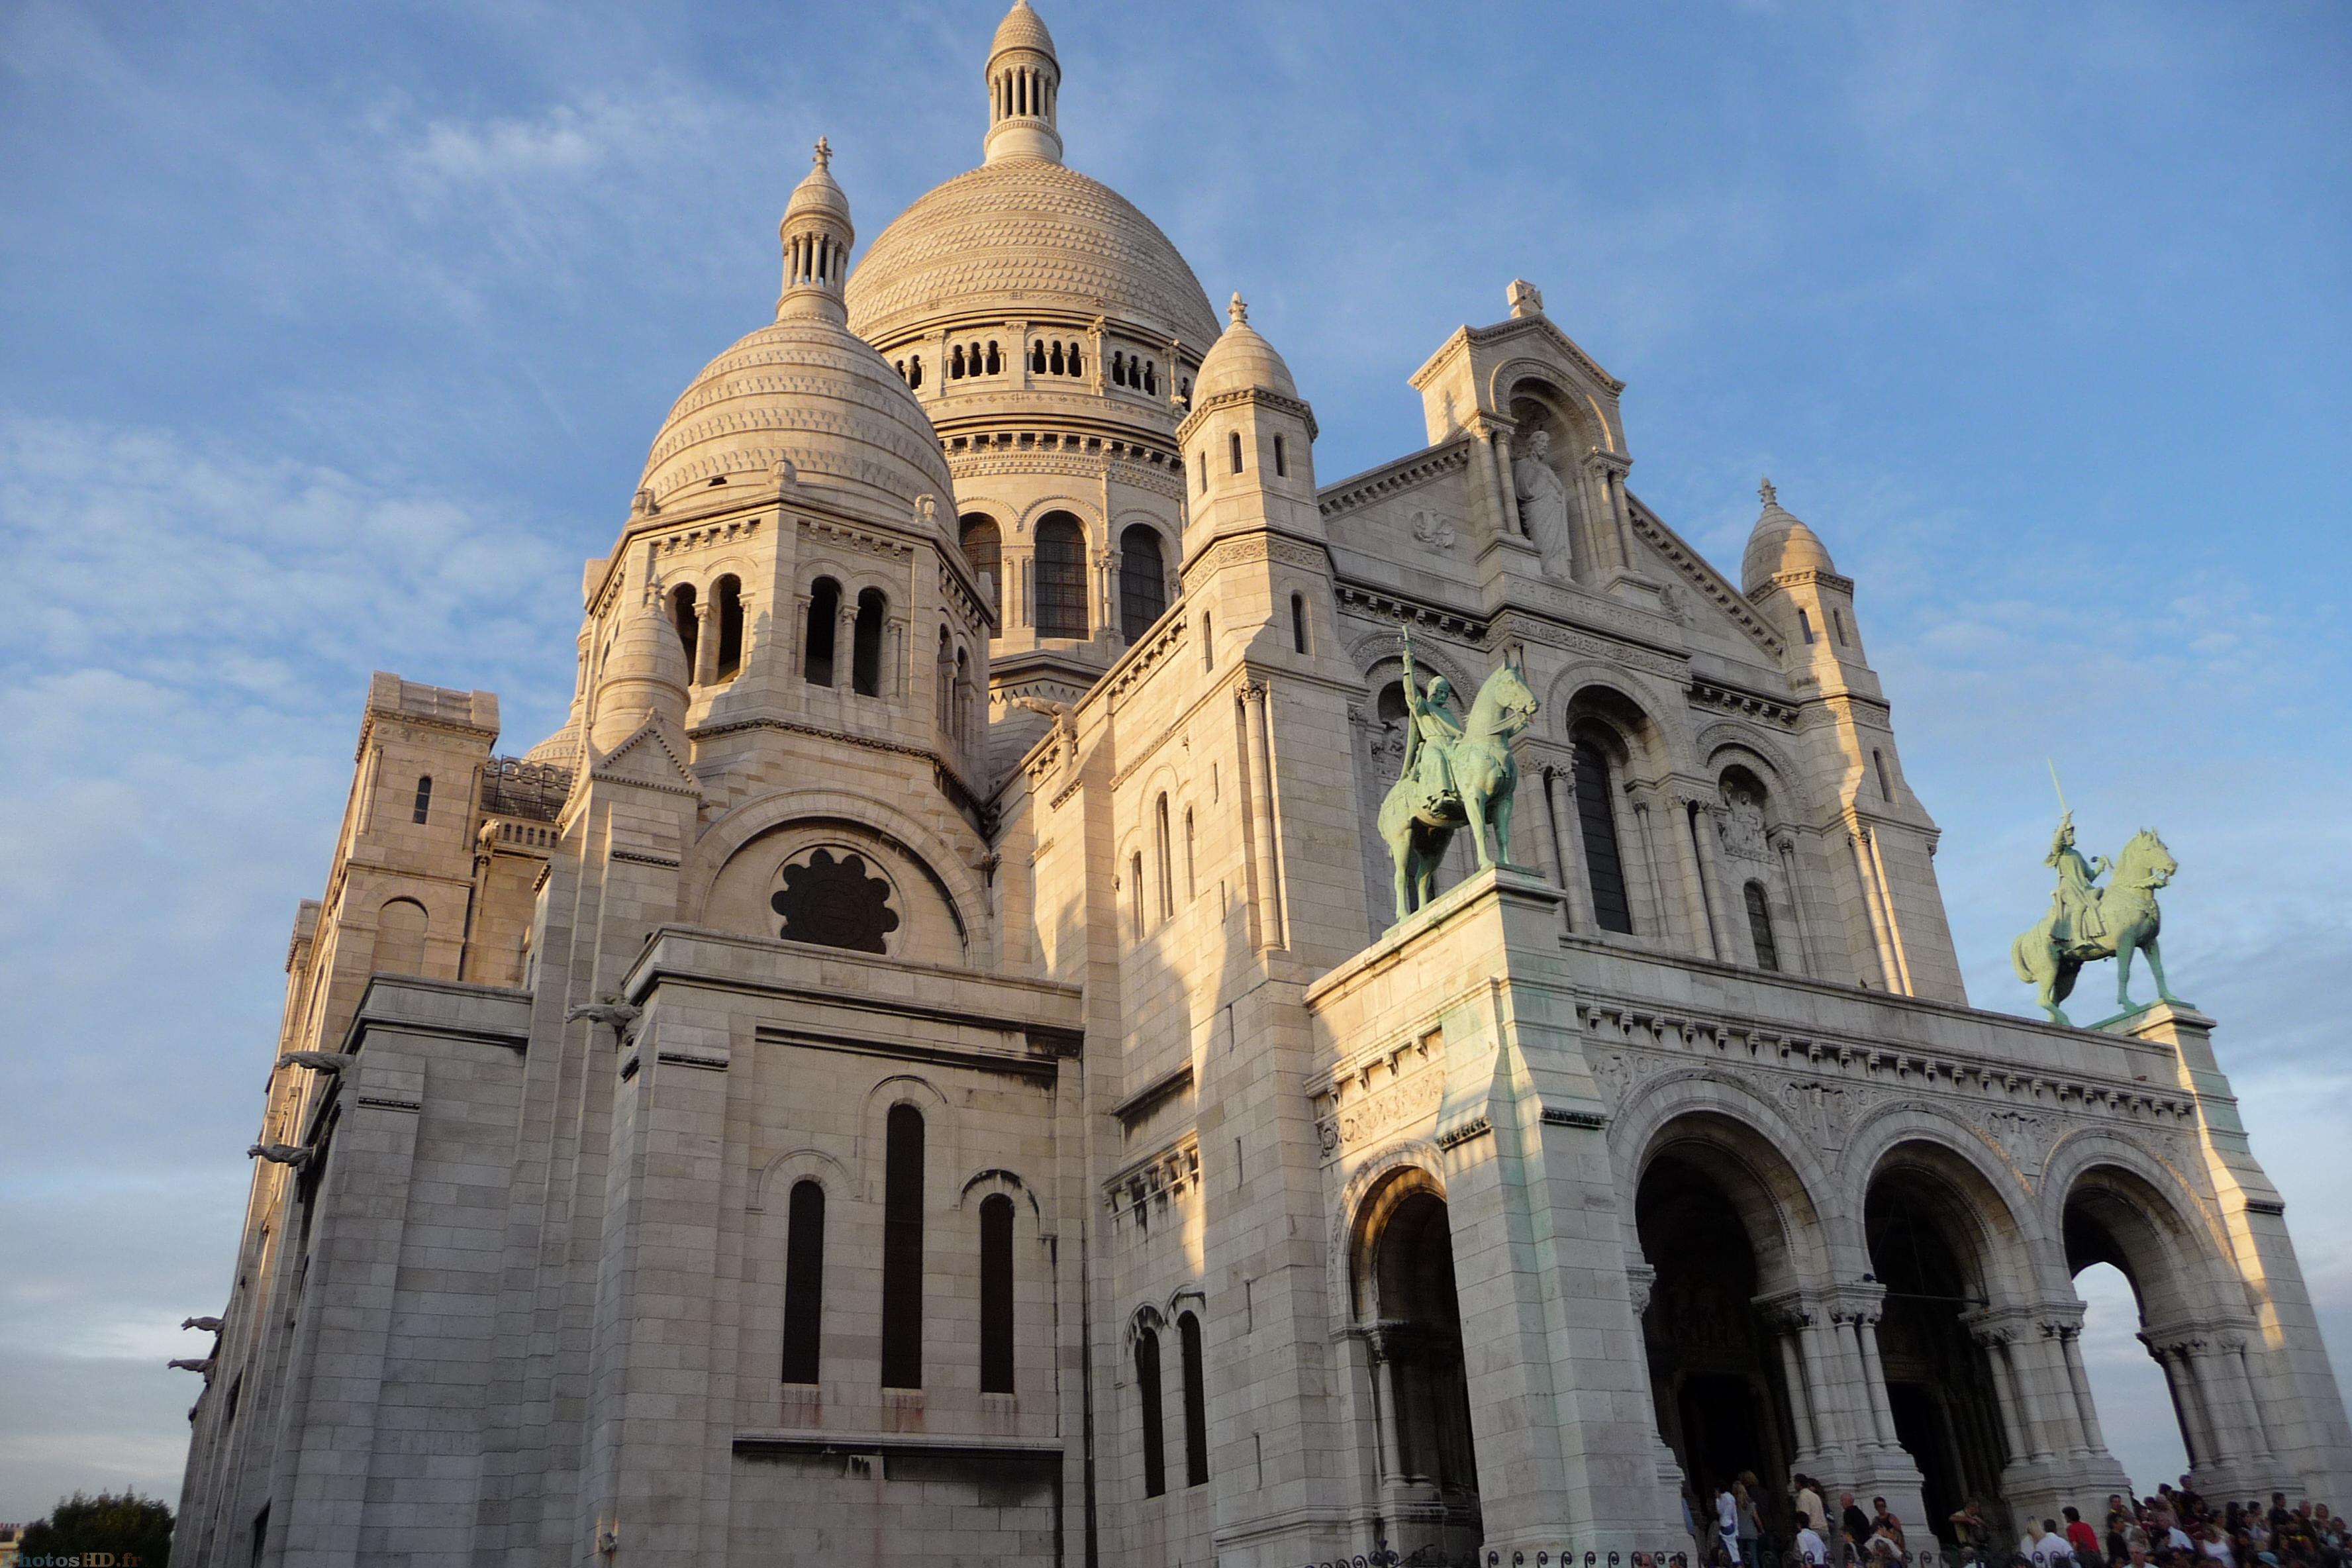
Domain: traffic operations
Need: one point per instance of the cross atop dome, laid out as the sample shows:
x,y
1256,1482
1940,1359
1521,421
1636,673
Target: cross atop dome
x,y
1237,312
1024,79
817,235
1765,493
824,158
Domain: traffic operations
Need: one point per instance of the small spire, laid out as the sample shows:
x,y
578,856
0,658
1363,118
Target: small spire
x,y
1237,312
824,159
1768,494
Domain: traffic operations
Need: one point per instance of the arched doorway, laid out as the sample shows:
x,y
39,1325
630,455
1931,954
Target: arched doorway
x,y
1410,1323
2115,1220
1926,1249
1716,1374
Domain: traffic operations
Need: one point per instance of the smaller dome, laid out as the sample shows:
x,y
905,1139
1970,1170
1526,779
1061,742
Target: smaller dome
x,y
1022,28
644,673
561,750
819,193
1781,544
1240,359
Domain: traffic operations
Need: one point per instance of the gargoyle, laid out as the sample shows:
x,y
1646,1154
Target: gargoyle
x,y
281,1154
613,1011
205,1366
318,1061
209,1325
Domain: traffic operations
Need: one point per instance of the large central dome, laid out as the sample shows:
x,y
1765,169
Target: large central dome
x,y
1025,234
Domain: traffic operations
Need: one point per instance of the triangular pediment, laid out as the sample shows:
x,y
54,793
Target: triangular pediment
x,y
654,757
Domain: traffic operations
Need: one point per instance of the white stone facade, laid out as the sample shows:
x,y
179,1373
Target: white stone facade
x,y
921,1067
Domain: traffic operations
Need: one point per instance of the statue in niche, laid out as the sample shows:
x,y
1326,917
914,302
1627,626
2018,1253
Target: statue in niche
x,y
1543,504
1741,822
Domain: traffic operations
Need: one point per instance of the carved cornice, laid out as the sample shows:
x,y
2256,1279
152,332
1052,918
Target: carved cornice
x,y
864,541
1296,407
1706,693
1380,605
1701,577
1406,473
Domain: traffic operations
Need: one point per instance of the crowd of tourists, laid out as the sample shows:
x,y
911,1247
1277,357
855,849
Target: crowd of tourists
x,y
2176,1527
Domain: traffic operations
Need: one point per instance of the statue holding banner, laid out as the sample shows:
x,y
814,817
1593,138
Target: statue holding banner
x,y
2087,922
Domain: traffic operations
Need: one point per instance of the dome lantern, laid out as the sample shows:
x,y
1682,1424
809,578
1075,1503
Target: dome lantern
x,y
818,237
1025,81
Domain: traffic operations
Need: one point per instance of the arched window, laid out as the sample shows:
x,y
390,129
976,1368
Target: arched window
x,y
1061,599
816,652
996,361
1037,358
1597,818
1196,1402
866,645
1805,625
803,1282
1147,1383
961,724
1142,581
902,1249
424,807
1166,848
1185,392
996,1294
1299,622
955,363
900,366
1759,927
835,901
1054,359
915,370
400,928
1281,463
1151,376
727,601
983,546
682,616
943,679
1235,437
1077,360
1877,760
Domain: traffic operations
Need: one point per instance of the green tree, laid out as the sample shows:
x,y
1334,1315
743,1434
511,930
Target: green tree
x,y
136,1531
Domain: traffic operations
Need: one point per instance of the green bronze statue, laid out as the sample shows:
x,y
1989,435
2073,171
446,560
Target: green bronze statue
x,y
2087,922
1454,775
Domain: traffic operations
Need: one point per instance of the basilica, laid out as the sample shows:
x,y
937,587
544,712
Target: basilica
x,y
934,1061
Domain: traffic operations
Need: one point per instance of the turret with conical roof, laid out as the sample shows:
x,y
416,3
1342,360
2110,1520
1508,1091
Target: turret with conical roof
x,y
644,676
1787,570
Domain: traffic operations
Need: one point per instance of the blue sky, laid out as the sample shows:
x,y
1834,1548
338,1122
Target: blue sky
x,y
335,335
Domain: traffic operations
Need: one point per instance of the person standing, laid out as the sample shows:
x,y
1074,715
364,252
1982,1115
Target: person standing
x,y
1884,1523
1751,1520
2080,1537
1852,1520
1810,1544
1726,1519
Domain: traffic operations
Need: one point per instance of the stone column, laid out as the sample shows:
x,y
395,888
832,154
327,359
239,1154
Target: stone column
x,y
799,634
1644,797
705,643
1787,1321
894,660
1508,491
1567,831
1829,1426
1995,1340
2080,1378
2060,1375
1880,944
2184,1403
1107,595
1679,830
1713,890
751,626
1807,963
1500,503
845,642
2197,1358
1261,765
1873,1372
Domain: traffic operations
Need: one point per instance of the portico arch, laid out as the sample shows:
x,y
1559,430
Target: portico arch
x,y
1408,1321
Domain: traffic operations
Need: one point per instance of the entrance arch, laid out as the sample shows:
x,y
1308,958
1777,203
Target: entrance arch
x,y
1934,1229
2116,1216
1726,1222
1406,1311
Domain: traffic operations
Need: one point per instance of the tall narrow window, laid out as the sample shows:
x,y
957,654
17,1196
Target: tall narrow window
x,y
1135,873
1299,622
1207,638
983,546
866,645
996,1294
1837,624
1196,1402
1759,927
727,602
1142,581
1204,469
816,651
962,725
1117,369
1192,871
1597,819
995,360
1805,625
902,1249
682,616
915,370
1061,599
1877,759
1037,359
424,798
1281,463
1147,1383
943,679
1235,439
1166,866
803,1282
1151,376
955,363
1053,360
1077,360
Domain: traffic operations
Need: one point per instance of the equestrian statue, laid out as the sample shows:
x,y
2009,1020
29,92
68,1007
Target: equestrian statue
x,y
1454,775
2087,922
